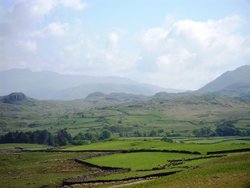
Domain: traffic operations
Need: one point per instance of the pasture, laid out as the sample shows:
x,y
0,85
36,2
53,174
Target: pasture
x,y
137,160
39,169
49,169
231,171
129,144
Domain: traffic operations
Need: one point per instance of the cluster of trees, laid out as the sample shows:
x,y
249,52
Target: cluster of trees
x,y
60,138
91,137
150,133
222,129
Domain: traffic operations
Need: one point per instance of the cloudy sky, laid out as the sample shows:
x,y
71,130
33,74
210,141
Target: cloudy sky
x,y
170,43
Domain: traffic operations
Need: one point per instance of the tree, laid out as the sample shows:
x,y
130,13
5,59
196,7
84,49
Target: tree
x,y
91,136
204,131
227,130
153,133
106,134
37,137
166,139
63,137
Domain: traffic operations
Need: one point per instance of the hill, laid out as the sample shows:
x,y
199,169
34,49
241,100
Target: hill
x,y
14,98
124,114
51,85
231,83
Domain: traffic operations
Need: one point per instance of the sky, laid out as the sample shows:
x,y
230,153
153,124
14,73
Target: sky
x,y
176,44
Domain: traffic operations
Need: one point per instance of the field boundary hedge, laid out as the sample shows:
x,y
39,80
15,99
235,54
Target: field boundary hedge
x,y
72,182
229,151
195,158
162,150
117,169
118,151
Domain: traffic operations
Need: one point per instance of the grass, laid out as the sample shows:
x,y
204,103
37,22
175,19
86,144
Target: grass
x,y
157,144
38,169
137,161
24,146
217,140
134,173
49,169
119,176
232,171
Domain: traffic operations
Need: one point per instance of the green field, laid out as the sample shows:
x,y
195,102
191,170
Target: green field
x,y
38,169
119,176
137,161
232,171
157,144
226,172
45,169
23,146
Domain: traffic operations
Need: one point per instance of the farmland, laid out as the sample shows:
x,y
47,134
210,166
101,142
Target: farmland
x,y
38,169
173,117
153,140
137,161
35,169
232,171
157,144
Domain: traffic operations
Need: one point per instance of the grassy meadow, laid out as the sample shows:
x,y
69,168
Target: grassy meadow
x,y
157,144
137,161
231,171
38,169
49,169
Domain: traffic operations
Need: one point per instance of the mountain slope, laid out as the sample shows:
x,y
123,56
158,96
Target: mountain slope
x,y
230,80
50,85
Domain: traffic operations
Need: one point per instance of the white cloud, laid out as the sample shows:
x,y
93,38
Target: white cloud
x,y
26,26
75,4
113,39
189,53
54,29
90,55
178,54
27,46
58,29
41,7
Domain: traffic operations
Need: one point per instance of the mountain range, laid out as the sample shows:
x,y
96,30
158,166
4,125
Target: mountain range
x,y
51,85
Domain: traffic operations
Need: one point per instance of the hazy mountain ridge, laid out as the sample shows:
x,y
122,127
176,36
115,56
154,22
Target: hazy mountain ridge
x,y
229,81
50,85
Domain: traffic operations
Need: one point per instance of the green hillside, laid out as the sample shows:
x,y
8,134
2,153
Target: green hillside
x,y
149,117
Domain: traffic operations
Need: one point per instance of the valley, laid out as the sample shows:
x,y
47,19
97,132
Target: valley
x,y
116,139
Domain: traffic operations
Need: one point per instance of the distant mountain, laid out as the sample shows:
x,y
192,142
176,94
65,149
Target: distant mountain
x,y
232,83
100,99
50,85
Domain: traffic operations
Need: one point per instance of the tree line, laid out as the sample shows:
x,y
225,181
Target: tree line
x,y
60,138
222,129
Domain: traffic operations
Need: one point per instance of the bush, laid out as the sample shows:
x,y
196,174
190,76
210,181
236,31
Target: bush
x,y
80,142
166,139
